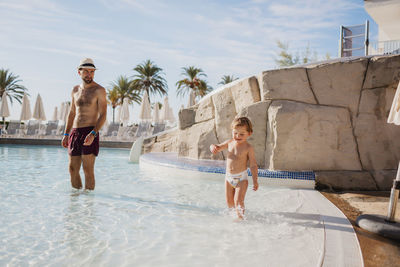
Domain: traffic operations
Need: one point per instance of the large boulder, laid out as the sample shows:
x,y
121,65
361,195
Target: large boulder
x,y
205,110
378,141
290,83
382,71
164,142
245,92
384,178
186,117
345,180
339,83
229,100
194,142
225,112
309,137
257,113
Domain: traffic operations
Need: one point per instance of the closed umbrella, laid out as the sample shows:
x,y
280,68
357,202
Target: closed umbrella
x,y
38,111
156,113
192,99
4,111
26,113
124,115
55,114
171,116
61,111
166,114
145,109
67,108
118,114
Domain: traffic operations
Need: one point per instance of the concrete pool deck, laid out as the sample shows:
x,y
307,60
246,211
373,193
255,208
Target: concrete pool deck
x,y
340,246
376,250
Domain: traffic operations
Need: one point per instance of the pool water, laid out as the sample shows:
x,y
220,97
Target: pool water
x,y
142,217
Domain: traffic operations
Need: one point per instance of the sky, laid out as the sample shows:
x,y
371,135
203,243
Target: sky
x,y
42,41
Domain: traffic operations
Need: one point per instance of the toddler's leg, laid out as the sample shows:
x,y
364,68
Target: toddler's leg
x,y
239,197
229,194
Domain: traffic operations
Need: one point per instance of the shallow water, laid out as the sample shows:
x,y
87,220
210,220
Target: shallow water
x,y
137,217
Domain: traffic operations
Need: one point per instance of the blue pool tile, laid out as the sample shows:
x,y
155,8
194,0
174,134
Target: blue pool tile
x,y
218,166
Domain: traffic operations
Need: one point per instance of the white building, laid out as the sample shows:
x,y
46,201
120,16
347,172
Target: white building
x,y
386,13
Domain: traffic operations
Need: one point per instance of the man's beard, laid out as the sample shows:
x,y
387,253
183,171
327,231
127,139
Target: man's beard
x,y
87,80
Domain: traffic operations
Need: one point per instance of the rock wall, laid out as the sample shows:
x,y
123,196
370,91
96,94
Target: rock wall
x,y
328,117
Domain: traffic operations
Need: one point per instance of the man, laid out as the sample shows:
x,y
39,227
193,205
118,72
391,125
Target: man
x,y
85,119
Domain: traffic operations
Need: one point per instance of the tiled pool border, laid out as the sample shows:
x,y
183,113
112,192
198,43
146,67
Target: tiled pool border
x,y
217,166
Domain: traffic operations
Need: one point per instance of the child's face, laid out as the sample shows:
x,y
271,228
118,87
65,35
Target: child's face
x,y
240,134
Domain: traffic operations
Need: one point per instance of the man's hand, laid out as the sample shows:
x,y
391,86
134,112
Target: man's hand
x,y
64,141
88,140
214,149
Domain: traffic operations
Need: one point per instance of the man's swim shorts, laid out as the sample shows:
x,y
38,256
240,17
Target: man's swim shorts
x,y
77,138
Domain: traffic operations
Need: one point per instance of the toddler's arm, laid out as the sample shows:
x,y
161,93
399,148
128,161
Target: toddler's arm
x,y
253,168
217,148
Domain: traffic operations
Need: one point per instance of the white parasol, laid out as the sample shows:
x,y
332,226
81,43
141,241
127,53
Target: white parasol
x,y
124,112
4,111
145,109
55,114
26,113
166,113
38,111
156,113
61,111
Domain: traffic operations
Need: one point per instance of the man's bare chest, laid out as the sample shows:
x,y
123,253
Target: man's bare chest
x,y
85,97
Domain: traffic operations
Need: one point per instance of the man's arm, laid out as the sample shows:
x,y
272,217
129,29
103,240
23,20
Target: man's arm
x,y
70,121
71,116
102,108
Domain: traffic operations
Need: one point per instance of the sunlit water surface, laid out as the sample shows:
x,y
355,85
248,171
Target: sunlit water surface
x,y
137,217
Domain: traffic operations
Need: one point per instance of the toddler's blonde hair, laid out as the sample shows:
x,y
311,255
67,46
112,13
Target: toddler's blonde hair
x,y
242,121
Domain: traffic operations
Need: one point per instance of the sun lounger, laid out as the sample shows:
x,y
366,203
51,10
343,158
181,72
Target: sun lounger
x,y
143,129
51,128
32,128
158,127
111,131
13,128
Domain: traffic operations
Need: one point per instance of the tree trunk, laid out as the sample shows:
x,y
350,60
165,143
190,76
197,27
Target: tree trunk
x,y
113,115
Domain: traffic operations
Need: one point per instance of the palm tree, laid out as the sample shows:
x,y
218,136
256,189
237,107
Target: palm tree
x,y
193,82
120,89
148,77
112,95
227,79
9,82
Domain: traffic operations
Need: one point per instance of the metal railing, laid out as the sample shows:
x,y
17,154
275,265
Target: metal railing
x,y
384,48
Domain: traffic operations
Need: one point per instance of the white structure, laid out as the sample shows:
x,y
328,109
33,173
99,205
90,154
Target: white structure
x,y
386,13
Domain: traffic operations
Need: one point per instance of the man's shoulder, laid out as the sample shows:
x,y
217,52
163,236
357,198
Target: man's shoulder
x,y
99,88
75,88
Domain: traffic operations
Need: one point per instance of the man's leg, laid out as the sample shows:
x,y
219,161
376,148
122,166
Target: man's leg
x,y
88,169
74,167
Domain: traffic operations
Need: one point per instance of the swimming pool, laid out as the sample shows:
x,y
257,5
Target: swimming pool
x,y
141,217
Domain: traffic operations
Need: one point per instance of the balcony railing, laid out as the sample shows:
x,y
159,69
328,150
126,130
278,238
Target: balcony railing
x,y
384,48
